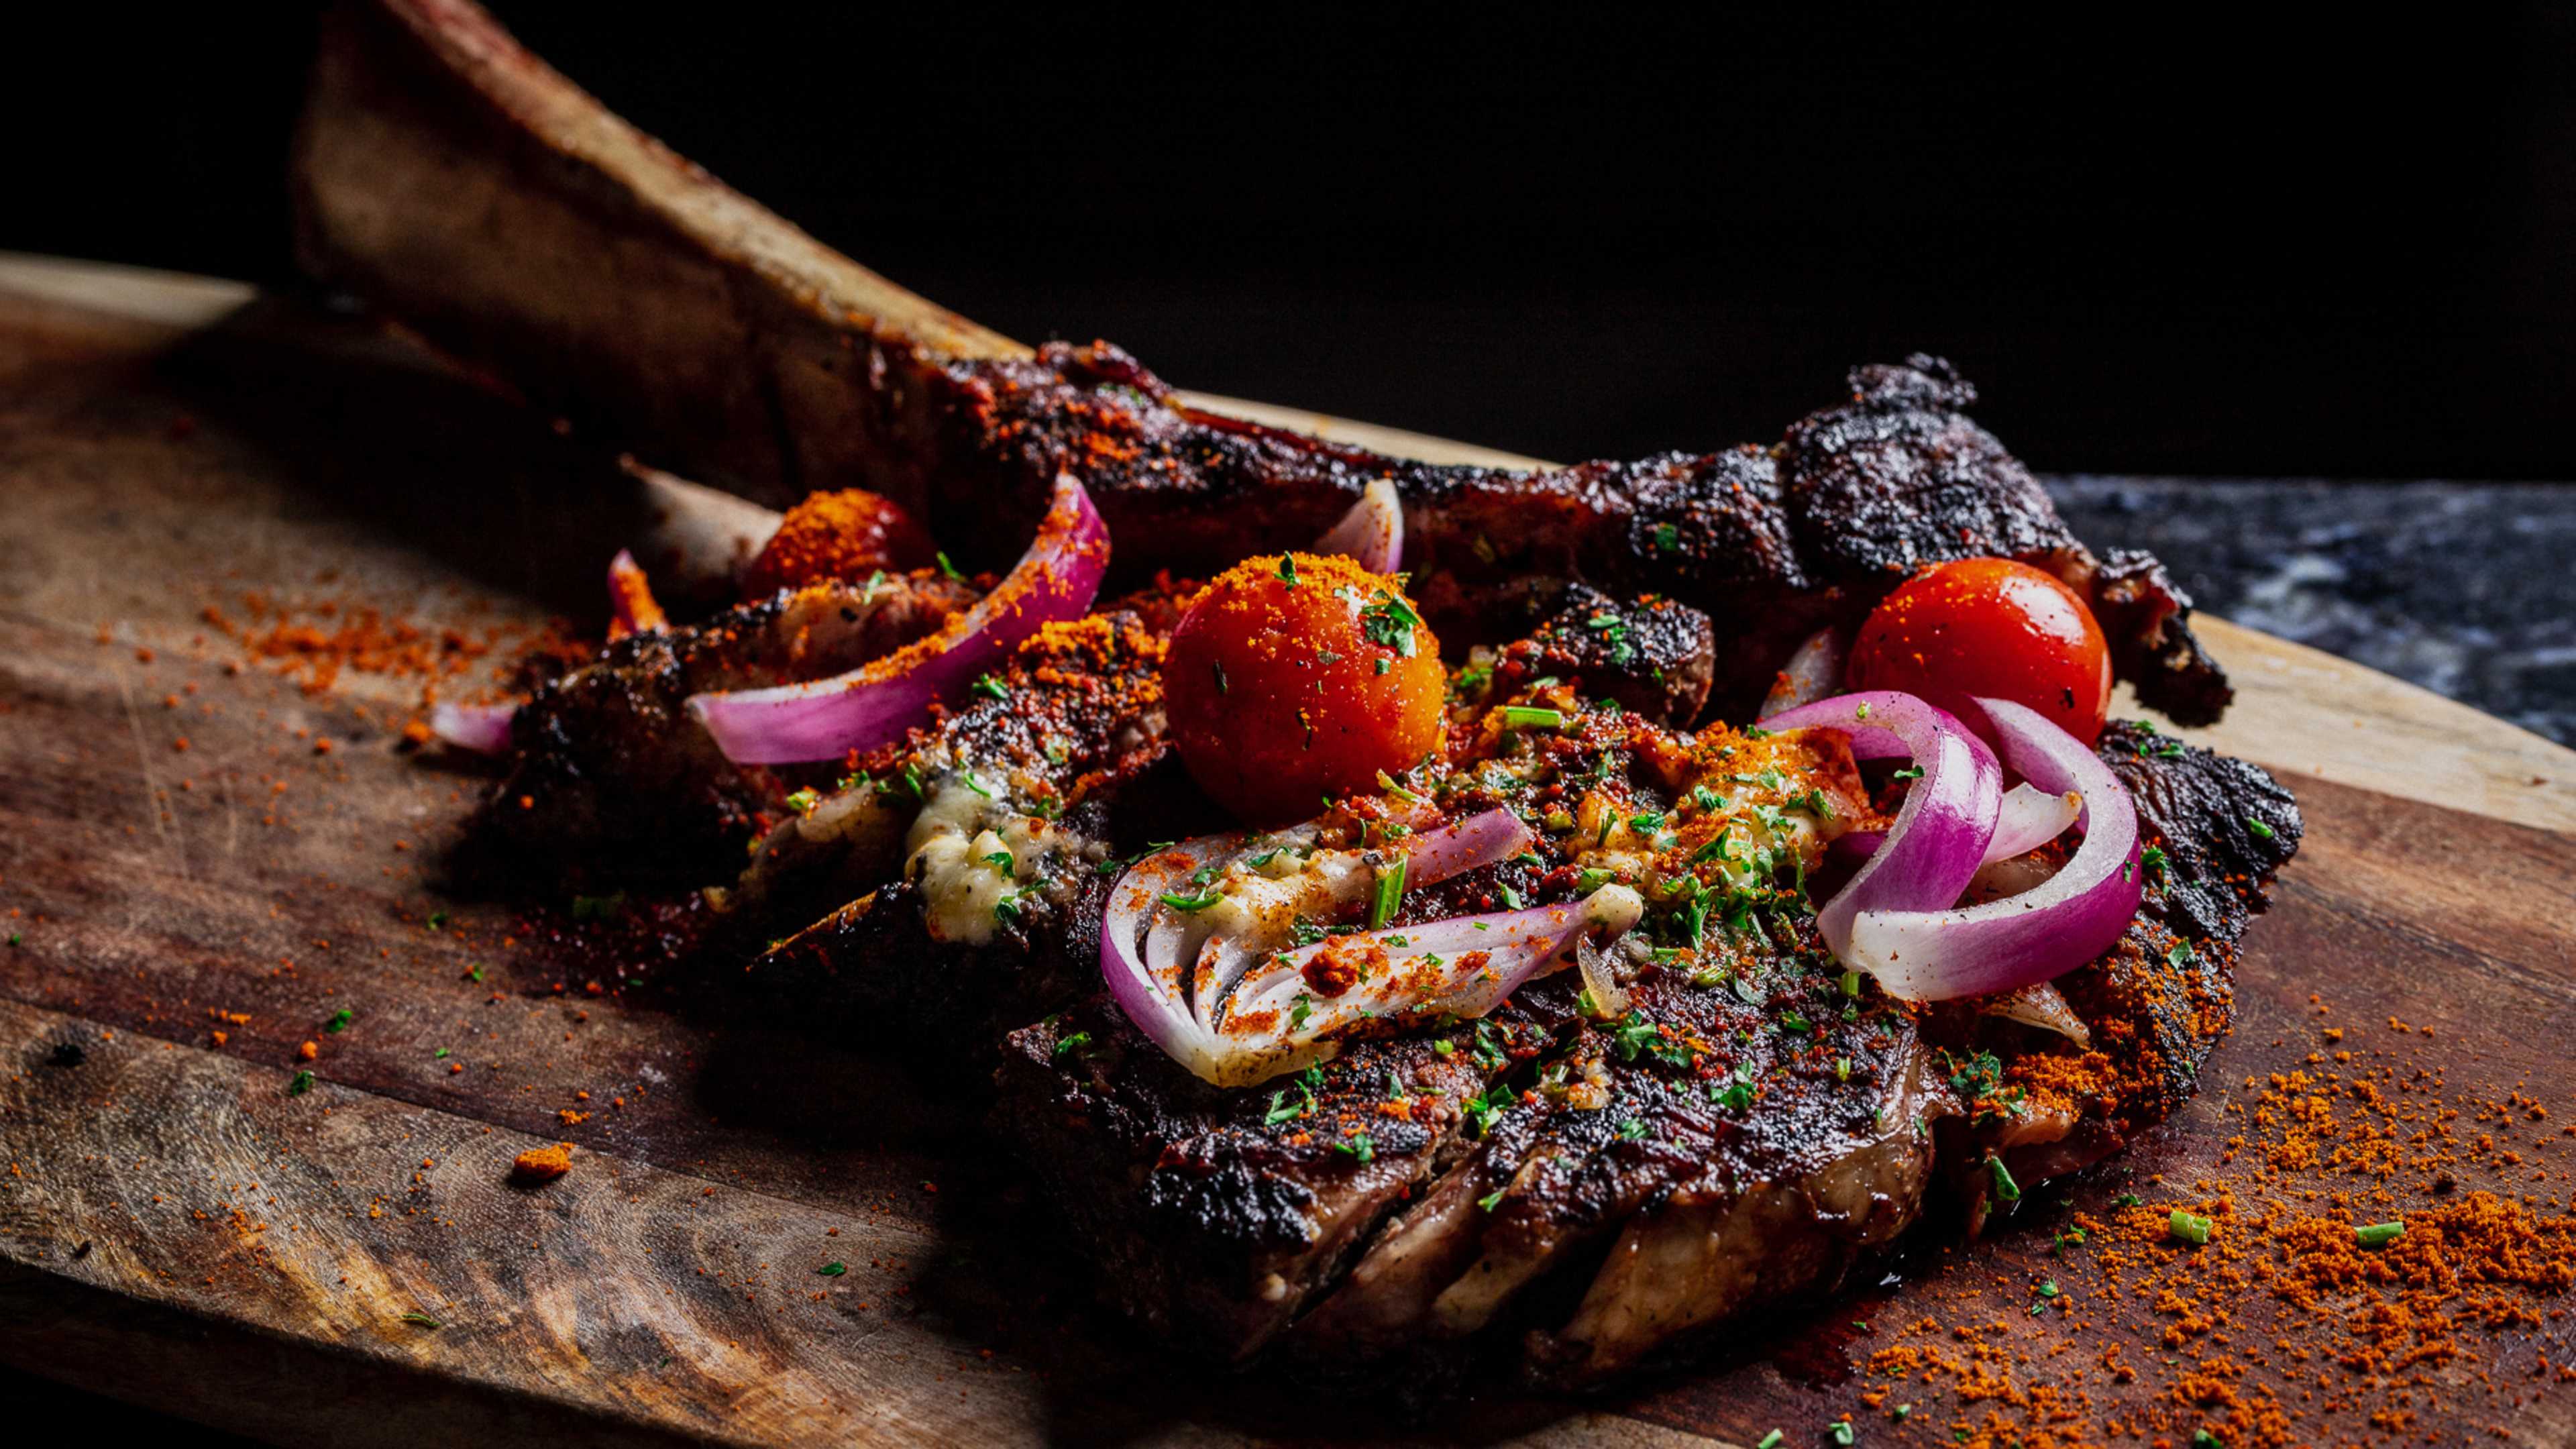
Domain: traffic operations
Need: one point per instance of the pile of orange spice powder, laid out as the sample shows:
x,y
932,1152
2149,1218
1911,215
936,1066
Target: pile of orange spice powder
x,y
2366,1266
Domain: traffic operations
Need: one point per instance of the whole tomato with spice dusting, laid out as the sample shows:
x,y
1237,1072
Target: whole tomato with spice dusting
x,y
1295,677
845,535
1990,627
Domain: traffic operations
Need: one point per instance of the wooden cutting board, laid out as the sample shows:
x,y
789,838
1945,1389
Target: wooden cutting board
x,y
205,862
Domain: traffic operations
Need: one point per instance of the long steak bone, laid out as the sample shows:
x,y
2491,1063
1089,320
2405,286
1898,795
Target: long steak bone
x,y
452,178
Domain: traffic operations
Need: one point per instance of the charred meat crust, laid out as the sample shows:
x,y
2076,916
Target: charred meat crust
x,y
1203,1216
611,774
761,358
2225,827
1654,656
1770,544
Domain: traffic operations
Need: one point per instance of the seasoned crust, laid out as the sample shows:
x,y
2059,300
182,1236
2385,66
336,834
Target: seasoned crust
x,y
1900,477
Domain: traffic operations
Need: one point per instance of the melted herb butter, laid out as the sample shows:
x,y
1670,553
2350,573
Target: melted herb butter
x,y
952,852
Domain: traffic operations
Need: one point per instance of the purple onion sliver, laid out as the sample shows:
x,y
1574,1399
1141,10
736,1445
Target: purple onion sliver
x,y
875,705
1941,832
1479,840
1814,671
2050,929
1372,533
482,728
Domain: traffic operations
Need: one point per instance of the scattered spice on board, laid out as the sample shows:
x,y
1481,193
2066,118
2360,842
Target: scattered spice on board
x,y
543,1164
2367,1264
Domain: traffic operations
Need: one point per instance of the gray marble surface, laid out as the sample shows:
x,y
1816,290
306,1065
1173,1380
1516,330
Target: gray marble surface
x,y
2465,588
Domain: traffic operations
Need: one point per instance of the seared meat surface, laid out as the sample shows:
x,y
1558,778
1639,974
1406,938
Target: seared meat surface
x,y
1588,1189
611,775
1652,655
1770,544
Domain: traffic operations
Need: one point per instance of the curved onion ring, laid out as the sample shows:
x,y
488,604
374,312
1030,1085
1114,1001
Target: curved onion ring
x,y
482,728
1813,671
1329,883
1372,533
631,606
1941,831
876,703
1154,985
2052,928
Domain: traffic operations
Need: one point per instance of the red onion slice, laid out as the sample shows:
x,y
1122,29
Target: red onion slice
x,y
876,703
1170,971
1156,999
482,728
1372,533
1462,967
2030,818
2073,917
1941,831
1319,892
631,606
1814,671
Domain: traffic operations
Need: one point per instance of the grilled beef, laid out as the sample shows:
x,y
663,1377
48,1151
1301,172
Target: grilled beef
x,y
1592,1191
1652,655
754,356
612,776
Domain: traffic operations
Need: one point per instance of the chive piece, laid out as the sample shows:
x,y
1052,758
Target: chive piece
x,y
2006,1189
1840,1430
2258,827
299,1084
989,687
1530,716
1771,1440
2127,1199
1358,1147
1388,894
1488,1201
833,1269
423,1319
1198,902
945,566
2380,1235
340,1020
2190,1227
1851,983
1073,1043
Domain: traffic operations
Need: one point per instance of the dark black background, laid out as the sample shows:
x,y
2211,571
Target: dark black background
x,y
2175,241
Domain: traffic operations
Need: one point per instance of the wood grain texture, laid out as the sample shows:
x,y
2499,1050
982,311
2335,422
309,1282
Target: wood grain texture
x,y
167,446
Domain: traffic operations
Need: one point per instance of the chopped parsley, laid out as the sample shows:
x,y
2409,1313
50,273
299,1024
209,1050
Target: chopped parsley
x,y
2258,827
299,1084
989,687
1288,569
833,1269
1074,1043
1299,1010
2006,1190
1631,1130
1390,621
1530,716
340,1020
1358,1147
804,801
1283,1110
945,566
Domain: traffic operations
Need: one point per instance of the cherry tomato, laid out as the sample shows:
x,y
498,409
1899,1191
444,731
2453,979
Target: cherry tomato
x,y
1990,627
845,535
1295,677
